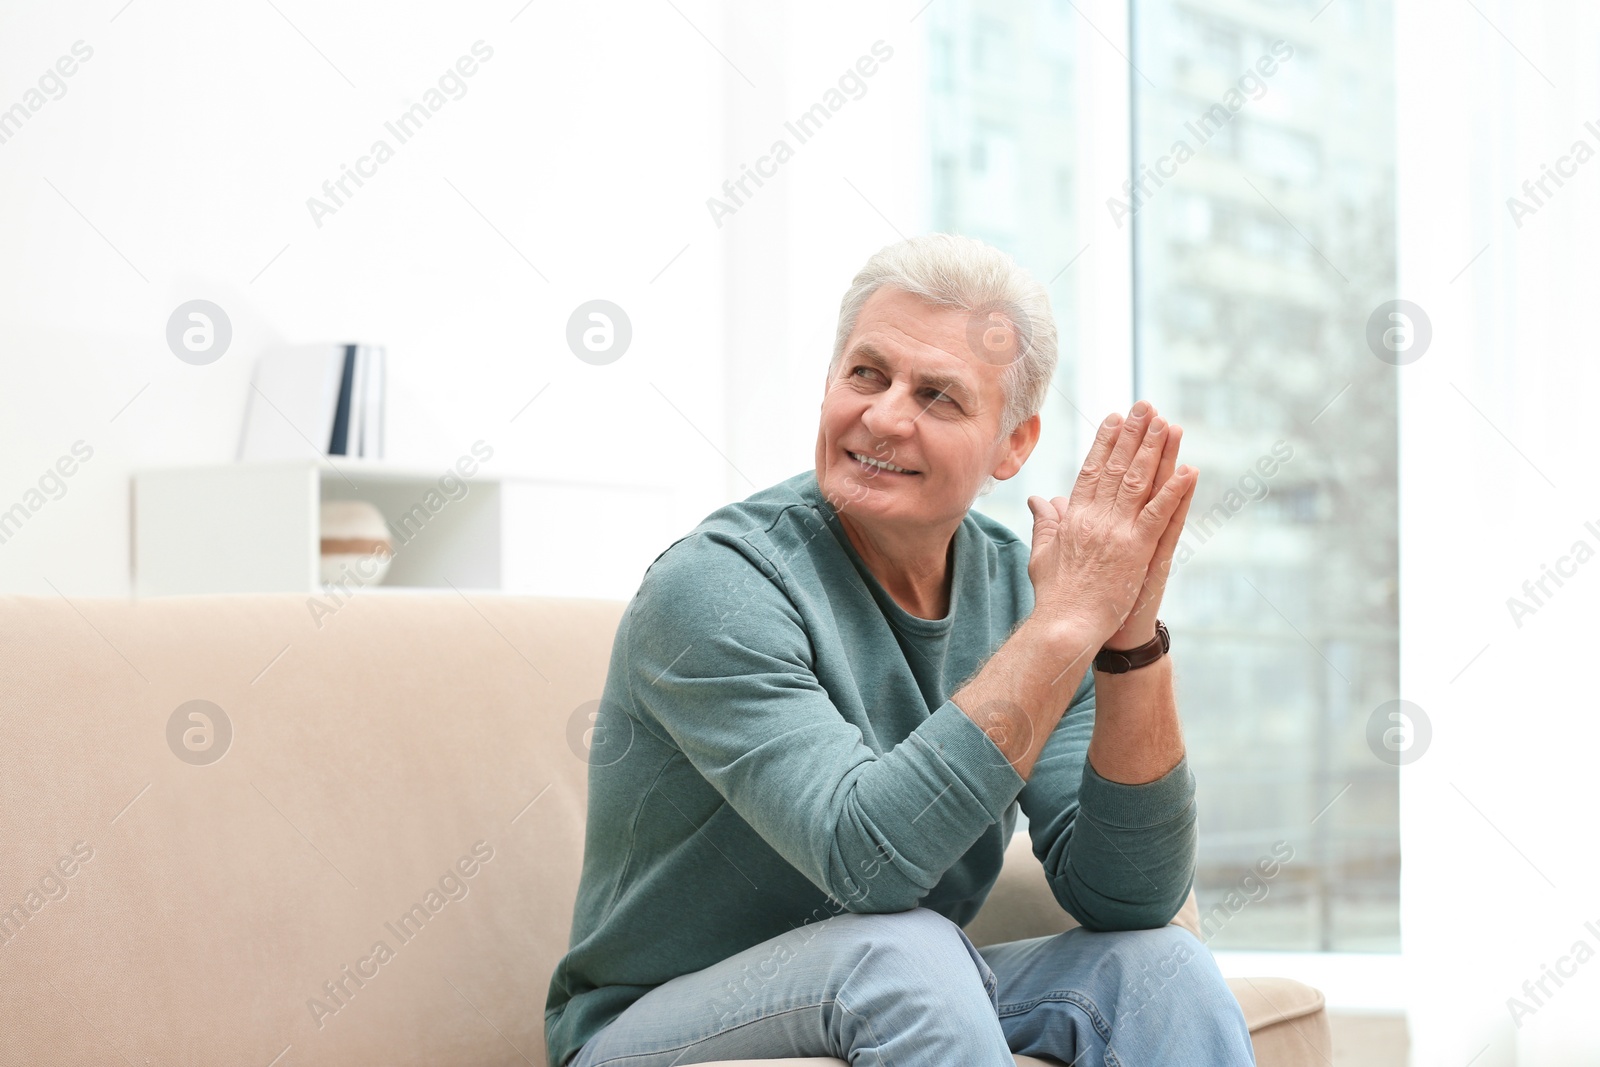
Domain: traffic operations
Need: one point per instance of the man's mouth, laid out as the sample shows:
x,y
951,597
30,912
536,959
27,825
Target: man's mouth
x,y
878,466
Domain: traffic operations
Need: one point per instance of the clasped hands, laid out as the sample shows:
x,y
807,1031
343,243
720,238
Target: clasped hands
x,y
1101,556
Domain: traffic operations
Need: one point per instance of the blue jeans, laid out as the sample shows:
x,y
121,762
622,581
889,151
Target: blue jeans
x,y
908,989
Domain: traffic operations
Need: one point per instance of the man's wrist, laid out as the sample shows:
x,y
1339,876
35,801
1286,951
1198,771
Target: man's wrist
x,y
1067,641
1114,660
1126,641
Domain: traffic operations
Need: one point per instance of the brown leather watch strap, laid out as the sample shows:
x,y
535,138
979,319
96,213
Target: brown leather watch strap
x,y
1110,661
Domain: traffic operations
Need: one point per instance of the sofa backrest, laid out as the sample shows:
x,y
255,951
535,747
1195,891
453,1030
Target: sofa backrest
x,y
362,848
380,868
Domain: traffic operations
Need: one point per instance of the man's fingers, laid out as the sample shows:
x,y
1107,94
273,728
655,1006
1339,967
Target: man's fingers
x,y
1122,454
1045,518
1155,585
1137,485
1164,505
1099,451
1168,545
1169,456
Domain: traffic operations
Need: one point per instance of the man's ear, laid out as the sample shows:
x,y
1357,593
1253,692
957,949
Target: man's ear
x,y
1019,446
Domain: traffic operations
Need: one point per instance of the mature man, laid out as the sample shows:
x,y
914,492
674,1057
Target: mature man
x,y
826,703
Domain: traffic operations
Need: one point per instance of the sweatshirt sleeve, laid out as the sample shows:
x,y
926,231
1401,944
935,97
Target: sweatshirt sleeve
x,y
720,661
1118,857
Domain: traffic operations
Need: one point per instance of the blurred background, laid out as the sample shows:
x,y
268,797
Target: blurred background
x,y
1347,244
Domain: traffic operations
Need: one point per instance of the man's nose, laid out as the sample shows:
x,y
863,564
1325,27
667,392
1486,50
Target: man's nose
x,y
891,413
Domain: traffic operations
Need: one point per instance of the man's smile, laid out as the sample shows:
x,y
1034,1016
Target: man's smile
x,y
879,466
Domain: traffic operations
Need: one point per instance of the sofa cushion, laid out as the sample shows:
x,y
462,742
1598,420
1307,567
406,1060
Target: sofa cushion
x,y
369,756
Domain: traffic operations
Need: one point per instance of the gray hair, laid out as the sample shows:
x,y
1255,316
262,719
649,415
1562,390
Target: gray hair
x,y
949,270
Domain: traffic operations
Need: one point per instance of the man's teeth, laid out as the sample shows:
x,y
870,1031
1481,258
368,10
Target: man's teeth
x,y
869,461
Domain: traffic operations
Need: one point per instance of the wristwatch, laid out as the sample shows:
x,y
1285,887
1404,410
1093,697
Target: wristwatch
x,y
1110,661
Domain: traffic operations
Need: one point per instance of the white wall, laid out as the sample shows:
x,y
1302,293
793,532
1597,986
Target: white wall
x,y
191,140
1498,479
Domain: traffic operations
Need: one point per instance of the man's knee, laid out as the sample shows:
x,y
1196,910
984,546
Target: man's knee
x,y
903,930
1163,967
1161,952
919,945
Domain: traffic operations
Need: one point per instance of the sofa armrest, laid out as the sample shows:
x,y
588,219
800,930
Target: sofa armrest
x,y
1288,1021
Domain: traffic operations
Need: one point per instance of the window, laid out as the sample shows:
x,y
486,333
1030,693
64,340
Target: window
x,y
1255,265
1288,600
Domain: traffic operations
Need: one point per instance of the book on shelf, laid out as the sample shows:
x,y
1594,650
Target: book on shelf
x,y
327,398
373,361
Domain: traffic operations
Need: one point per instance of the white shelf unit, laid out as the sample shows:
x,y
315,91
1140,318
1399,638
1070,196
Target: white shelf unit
x,y
253,527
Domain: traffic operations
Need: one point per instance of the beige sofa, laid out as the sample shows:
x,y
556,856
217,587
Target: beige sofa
x,y
379,868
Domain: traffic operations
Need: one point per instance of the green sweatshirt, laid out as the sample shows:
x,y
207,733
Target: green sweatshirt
x,y
776,744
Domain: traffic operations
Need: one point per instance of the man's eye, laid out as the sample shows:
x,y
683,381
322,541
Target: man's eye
x,y
942,396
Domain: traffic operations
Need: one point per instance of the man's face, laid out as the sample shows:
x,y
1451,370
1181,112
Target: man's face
x,y
910,390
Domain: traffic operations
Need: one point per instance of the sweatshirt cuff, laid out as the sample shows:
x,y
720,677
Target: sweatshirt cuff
x,y
970,754
1137,807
